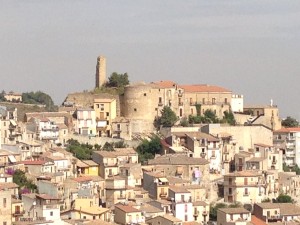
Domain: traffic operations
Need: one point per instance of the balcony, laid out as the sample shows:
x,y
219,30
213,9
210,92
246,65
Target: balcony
x,y
163,195
160,104
196,213
18,213
180,94
204,213
274,161
120,197
213,157
203,154
180,103
246,193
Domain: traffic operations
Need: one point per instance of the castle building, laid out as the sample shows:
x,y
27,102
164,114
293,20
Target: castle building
x,y
100,71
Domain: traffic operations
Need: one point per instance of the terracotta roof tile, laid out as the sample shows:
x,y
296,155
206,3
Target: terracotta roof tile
x,y
203,88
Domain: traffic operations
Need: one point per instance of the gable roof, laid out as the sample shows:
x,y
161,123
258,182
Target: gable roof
x,y
203,88
177,159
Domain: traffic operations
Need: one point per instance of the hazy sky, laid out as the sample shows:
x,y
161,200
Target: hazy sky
x,y
251,47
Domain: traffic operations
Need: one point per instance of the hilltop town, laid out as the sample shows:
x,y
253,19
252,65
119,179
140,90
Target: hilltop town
x,y
154,153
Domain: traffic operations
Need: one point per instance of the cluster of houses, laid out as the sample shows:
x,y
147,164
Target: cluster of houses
x,y
197,167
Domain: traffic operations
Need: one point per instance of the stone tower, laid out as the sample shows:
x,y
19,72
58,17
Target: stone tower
x,y
100,71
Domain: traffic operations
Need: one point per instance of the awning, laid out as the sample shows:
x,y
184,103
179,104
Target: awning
x,y
163,180
12,159
13,122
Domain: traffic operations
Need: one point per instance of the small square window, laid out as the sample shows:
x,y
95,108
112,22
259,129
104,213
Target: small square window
x,y
134,109
145,94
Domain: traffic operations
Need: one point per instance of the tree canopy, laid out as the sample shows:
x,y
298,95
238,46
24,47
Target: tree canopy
x,y
20,179
168,117
282,198
290,122
117,80
148,148
39,98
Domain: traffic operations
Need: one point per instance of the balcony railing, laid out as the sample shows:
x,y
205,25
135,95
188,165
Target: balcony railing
x,y
274,161
163,195
246,193
19,213
160,104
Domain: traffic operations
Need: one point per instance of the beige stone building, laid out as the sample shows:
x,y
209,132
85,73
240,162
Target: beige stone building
x,y
127,214
142,102
244,186
233,216
5,207
105,112
13,97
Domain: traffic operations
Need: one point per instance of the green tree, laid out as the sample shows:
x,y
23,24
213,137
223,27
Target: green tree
x,y
108,146
2,98
117,80
148,148
168,117
184,122
290,122
210,116
214,209
282,198
80,151
39,98
228,118
19,177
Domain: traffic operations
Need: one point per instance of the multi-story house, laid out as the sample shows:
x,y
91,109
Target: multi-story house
x,y
276,212
86,209
47,130
121,128
267,115
182,206
165,219
5,206
244,186
85,121
289,183
288,139
105,112
201,212
127,214
233,216
111,161
41,208
13,97
180,165
8,159
196,145
10,131
117,191
156,184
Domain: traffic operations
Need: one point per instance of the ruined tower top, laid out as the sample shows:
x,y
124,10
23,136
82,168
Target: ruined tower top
x,y
100,71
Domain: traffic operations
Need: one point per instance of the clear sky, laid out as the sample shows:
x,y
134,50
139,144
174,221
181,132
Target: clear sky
x,y
250,47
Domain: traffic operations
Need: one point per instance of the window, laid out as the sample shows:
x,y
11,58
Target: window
x,y
102,107
4,202
4,223
51,213
203,100
186,218
145,94
185,208
231,217
107,114
225,100
213,101
134,109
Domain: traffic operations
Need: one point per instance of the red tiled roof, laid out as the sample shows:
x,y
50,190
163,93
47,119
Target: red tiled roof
x,y
165,83
203,88
126,208
257,221
287,130
82,179
46,197
37,162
